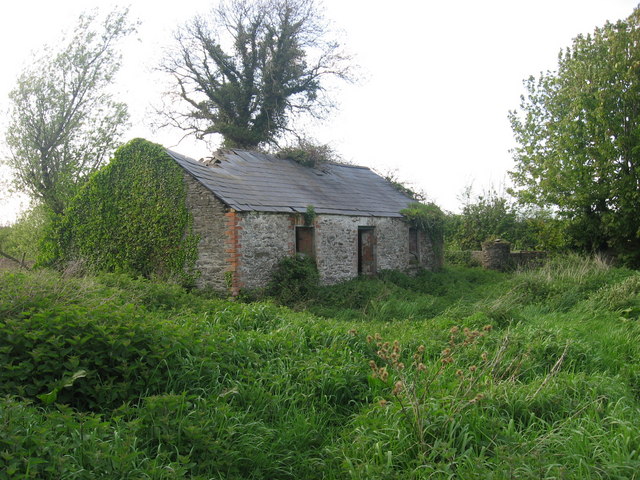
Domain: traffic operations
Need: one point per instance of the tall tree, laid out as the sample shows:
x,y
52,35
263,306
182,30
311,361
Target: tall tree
x,y
248,68
578,134
64,122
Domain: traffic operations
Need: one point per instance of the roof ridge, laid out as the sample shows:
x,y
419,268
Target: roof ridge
x,y
254,185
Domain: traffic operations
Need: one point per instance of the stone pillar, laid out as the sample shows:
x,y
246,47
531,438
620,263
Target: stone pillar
x,y
496,254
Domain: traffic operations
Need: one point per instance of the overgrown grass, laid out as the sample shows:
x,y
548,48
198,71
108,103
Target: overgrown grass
x,y
458,374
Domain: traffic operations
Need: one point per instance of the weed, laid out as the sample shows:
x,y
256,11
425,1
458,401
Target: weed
x,y
415,385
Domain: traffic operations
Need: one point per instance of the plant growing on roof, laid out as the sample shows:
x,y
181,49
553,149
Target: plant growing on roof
x,y
309,215
309,153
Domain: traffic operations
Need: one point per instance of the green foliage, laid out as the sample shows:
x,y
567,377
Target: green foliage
x,y
55,444
248,68
577,137
25,235
295,280
122,353
492,215
221,389
309,154
461,258
428,218
130,217
64,123
310,215
487,216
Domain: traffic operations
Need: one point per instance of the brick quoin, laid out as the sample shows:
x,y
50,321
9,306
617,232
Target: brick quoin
x,y
232,244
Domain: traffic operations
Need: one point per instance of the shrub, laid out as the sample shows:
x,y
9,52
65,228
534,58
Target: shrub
x,y
57,444
25,235
52,330
295,280
309,153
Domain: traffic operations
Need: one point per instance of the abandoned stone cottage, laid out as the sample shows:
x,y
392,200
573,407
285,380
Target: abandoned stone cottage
x,y
248,210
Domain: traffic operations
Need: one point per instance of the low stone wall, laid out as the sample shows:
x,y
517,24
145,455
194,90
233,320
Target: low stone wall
x,y
527,258
497,255
477,258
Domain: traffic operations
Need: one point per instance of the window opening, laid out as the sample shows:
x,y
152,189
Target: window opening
x,y
413,241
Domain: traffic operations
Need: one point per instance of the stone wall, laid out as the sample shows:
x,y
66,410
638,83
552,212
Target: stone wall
x,y
497,255
240,250
209,224
337,246
264,239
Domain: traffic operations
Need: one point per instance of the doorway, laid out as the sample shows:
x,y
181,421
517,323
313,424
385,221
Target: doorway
x,y
366,251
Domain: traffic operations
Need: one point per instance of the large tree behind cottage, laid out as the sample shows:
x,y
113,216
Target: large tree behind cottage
x,y
251,66
64,122
578,134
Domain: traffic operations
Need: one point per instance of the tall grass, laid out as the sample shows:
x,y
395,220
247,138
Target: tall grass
x,y
183,385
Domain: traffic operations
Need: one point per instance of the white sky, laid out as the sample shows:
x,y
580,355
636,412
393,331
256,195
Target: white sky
x,y
438,77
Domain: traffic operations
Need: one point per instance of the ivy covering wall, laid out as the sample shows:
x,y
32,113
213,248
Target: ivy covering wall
x,y
130,217
429,218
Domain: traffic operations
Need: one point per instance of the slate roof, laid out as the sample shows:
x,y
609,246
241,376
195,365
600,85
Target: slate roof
x,y
250,181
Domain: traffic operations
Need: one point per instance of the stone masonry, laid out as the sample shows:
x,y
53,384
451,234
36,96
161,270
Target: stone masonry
x,y
209,223
239,250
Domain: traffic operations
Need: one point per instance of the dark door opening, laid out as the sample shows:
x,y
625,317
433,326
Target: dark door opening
x,y
305,241
366,251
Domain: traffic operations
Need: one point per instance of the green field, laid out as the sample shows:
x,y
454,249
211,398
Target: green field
x,y
462,373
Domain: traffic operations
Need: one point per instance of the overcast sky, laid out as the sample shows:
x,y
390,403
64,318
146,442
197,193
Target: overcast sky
x,y
438,77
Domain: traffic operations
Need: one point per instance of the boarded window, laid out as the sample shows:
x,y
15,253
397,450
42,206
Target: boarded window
x,y
305,241
413,241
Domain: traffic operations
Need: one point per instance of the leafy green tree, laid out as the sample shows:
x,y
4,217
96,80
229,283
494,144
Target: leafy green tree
x,y
578,135
25,234
252,65
64,122
492,215
489,215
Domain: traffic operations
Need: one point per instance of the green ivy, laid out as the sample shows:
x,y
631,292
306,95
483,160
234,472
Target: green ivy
x,y
429,218
131,217
309,215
